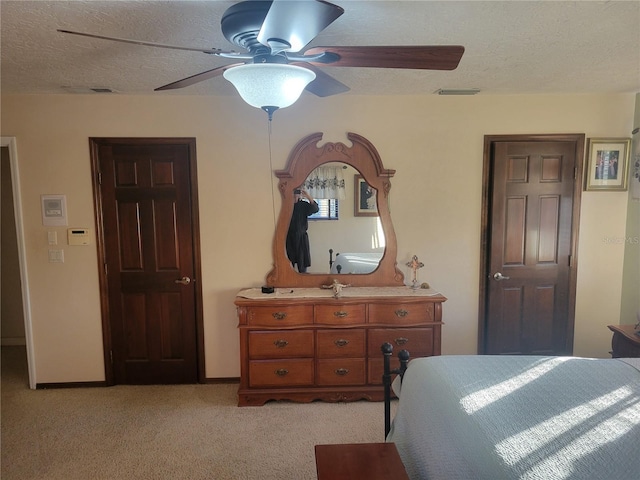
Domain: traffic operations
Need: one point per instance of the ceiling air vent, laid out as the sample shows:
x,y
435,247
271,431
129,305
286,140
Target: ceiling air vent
x,y
87,90
458,91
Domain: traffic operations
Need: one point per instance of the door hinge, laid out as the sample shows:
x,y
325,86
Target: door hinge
x,y
575,173
111,356
100,178
106,268
570,261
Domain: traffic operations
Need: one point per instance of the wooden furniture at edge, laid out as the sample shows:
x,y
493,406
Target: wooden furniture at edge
x,y
625,341
359,461
305,349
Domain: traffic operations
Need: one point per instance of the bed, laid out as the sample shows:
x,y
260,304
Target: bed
x,y
518,417
355,262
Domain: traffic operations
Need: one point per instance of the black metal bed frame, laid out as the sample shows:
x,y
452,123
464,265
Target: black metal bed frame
x,y
403,356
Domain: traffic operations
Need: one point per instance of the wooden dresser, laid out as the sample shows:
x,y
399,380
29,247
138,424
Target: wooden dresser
x,y
303,344
625,341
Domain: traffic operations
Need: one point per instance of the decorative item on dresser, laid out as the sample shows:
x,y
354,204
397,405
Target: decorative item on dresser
x,y
303,344
625,342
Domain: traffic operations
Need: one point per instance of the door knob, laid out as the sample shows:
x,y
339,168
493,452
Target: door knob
x,y
499,277
183,281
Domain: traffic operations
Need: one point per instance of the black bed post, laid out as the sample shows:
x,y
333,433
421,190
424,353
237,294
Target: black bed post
x,y
387,350
403,355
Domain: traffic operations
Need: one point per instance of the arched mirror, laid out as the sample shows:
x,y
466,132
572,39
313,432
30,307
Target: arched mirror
x,y
361,243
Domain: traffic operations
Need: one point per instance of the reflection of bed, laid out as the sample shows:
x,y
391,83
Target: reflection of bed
x,y
519,417
355,262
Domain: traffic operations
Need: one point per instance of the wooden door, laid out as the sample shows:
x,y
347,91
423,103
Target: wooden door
x,y
530,226
146,202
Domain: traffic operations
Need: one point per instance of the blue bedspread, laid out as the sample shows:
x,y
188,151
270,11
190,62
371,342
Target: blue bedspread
x,y
519,417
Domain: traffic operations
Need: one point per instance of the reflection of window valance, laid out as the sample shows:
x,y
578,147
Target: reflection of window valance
x,y
326,182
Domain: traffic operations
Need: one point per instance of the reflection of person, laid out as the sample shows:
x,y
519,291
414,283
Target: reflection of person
x,y
297,238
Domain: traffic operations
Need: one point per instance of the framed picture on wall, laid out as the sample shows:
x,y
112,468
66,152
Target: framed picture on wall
x,y
365,198
607,164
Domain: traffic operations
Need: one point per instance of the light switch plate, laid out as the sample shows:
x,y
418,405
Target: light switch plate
x,y
56,256
52,237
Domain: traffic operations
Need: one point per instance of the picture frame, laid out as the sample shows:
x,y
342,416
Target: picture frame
x,y
54,210
607,166
365,198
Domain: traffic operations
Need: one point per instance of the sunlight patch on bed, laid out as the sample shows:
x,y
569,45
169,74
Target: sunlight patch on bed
x,y
482,398
571,435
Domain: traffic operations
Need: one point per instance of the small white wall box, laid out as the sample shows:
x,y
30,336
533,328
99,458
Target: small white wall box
x,y
78,236
54,210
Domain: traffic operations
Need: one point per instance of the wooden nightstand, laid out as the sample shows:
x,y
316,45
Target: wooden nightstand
x,y
359,461
625,341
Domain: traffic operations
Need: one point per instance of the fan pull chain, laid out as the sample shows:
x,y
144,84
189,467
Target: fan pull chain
x,y
273,199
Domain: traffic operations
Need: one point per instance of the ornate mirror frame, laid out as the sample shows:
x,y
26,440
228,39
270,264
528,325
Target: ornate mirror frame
x,y
305,157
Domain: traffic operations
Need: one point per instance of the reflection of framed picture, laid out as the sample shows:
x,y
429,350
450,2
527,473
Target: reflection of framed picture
x,y
54,210
607,163
365,201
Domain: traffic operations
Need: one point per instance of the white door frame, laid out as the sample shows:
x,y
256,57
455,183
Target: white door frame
x,y
10,143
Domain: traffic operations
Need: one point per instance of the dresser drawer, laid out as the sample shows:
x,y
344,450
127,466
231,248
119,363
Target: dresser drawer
x,y
281,373
401,313
340,314
419,341
343,371
280,316
341,343
280,344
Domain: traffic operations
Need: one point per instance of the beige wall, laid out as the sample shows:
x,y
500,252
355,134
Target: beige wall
x,y
435,144
630,304
11,312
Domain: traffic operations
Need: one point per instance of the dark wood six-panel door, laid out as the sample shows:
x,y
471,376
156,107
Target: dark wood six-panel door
x,y
529,275
150,269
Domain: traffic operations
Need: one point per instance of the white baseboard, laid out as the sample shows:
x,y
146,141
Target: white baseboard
x,y
11,341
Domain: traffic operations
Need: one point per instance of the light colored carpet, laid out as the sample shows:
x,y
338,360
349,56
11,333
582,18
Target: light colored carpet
x,y
183,432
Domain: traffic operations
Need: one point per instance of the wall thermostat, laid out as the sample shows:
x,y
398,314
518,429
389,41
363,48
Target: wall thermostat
x,y
78,236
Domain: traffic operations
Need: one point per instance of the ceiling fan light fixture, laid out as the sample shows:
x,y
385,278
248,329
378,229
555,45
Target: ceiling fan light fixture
x,y
269,85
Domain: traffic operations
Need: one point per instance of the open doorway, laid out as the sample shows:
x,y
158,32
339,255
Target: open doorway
x,y
16,321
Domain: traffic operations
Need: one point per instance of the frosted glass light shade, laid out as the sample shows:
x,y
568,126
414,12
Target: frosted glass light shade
x,y
269,84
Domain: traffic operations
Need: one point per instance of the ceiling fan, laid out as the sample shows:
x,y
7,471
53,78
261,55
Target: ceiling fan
x,y
274,34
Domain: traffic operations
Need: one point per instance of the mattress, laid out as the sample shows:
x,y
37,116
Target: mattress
x,y
356,262
519,417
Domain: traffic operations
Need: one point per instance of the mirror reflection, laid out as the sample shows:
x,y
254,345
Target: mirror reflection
x,y
335,227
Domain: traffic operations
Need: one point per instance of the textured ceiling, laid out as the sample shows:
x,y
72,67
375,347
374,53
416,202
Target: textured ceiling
x,y
511,46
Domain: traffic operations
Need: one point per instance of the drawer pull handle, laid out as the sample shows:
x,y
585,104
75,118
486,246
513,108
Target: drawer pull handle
x,y
279,315
342,371
401,313
281,372
280,343
340,314
401,341
341,342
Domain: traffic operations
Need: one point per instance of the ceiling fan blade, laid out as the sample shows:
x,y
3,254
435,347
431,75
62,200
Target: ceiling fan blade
x,y
292,24
324,85
199,77
445,57
211,51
